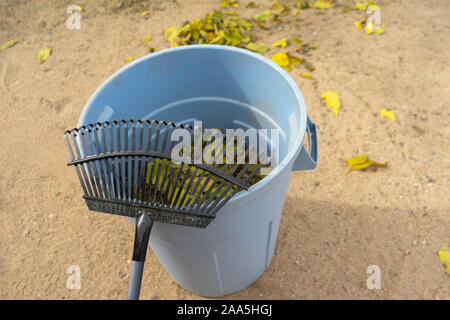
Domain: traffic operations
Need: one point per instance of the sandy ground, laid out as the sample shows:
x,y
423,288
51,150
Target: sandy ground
x,y
333,226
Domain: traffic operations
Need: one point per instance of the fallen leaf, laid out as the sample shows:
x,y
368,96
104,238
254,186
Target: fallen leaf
x,y
362,162
144,13
43,54
286,61
129,59
296,40
227,3
321,4
361,6
295,12
310,66
280,43
151,49
444,255
306,75
387,113
332,101
146,39
259,48
372,28
8,44
262,16
250,5
358,24
281,58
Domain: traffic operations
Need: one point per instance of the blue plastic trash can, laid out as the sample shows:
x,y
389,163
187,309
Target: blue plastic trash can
x,y
225,87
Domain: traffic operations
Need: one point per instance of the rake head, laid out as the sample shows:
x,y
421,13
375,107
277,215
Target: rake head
x,y
125,168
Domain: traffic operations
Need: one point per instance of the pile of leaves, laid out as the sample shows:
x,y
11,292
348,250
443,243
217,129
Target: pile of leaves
x,y
225,28
205,184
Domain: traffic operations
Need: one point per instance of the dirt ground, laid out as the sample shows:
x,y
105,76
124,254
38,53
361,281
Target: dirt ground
x,y
334,225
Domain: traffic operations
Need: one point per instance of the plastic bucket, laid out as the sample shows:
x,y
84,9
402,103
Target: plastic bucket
x,y
225,87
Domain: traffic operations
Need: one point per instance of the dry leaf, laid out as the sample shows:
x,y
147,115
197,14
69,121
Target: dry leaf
x,y
43,54
262,16
8,44
280,43
444,255
281,59
129,59
387,113
146,39
372,28
358,24
362,162
260,48
321,4
296,40
286,61
306,75
332,101
144,13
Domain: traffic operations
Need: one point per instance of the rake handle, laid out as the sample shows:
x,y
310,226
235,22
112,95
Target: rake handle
x,y
143,227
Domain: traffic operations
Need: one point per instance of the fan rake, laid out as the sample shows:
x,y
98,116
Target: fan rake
x,y
125,168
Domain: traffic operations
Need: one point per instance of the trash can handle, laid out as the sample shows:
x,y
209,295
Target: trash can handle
x,y
308,160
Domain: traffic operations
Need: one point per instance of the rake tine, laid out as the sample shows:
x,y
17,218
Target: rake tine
x,y
84,131
200,193
141,163
114,161
182,185
76,166
175,184
126,164
158,130
102,170
122,160
92,165
75,143
167,168
108,172
133,162
188,188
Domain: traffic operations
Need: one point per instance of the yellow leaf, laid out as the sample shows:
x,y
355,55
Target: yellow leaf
x,y
372,28
129,59
43,54
444,255
321,4
280,43
8,44
387,114
79,8
294,60
146,39
306,75
260,48
282,59
357,24
295,12
171,33
262,16
296,40
144,13
332,101
362,162
361,6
